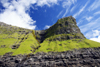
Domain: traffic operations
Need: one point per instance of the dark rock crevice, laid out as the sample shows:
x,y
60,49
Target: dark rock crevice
x,y
40,35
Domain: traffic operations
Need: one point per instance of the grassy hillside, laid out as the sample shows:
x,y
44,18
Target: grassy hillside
x,y
59,46
16,40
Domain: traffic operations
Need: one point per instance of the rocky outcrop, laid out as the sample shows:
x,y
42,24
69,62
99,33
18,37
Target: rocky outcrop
x,y
86,57
66,26
40,35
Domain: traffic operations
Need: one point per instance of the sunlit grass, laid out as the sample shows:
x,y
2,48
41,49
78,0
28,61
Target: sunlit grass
x,y
59,46
26,46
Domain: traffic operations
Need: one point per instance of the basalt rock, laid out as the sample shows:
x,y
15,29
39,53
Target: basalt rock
x,y
86,57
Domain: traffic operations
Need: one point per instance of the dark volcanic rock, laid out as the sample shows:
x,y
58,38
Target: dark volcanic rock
x,y
86,57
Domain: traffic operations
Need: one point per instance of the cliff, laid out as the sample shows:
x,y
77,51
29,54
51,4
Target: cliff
x,y
61,45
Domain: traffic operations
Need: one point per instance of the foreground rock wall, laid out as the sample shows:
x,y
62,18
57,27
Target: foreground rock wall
x,y
87,57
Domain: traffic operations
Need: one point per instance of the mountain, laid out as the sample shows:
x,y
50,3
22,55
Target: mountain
x,y
64,35
65,26
62,45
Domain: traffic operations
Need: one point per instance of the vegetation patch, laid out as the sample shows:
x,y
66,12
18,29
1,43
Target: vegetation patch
x,y
59,46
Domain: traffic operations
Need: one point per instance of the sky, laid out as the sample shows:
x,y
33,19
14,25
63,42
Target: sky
x,y
41,14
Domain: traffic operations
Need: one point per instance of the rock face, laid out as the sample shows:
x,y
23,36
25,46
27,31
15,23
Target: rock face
x,y
66,26
40,35
86,57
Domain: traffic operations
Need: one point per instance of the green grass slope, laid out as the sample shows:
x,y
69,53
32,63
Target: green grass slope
x,y
65,45
16,40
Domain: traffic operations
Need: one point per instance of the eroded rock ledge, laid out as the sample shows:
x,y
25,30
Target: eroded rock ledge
x,y
87,57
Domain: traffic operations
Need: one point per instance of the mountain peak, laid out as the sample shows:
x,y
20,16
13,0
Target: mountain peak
x,y
69,17
66,26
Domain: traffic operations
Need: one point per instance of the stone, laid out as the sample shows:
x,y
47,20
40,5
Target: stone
x,y
86,57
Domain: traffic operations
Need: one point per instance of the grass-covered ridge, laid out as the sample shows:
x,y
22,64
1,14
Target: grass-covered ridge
x,y
25,43
59,46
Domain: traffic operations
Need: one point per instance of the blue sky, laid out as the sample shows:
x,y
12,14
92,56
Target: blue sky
x,y
41,14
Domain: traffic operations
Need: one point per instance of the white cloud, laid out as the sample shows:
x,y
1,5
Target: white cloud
x,y
67,4
72,8
92,34
16,12
59,14
95,5
74,1
46,2
79,22
89,34
96,39
90,26
97,13
11,17
96,35
46,27
65,12
81,10
91,30
89,18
